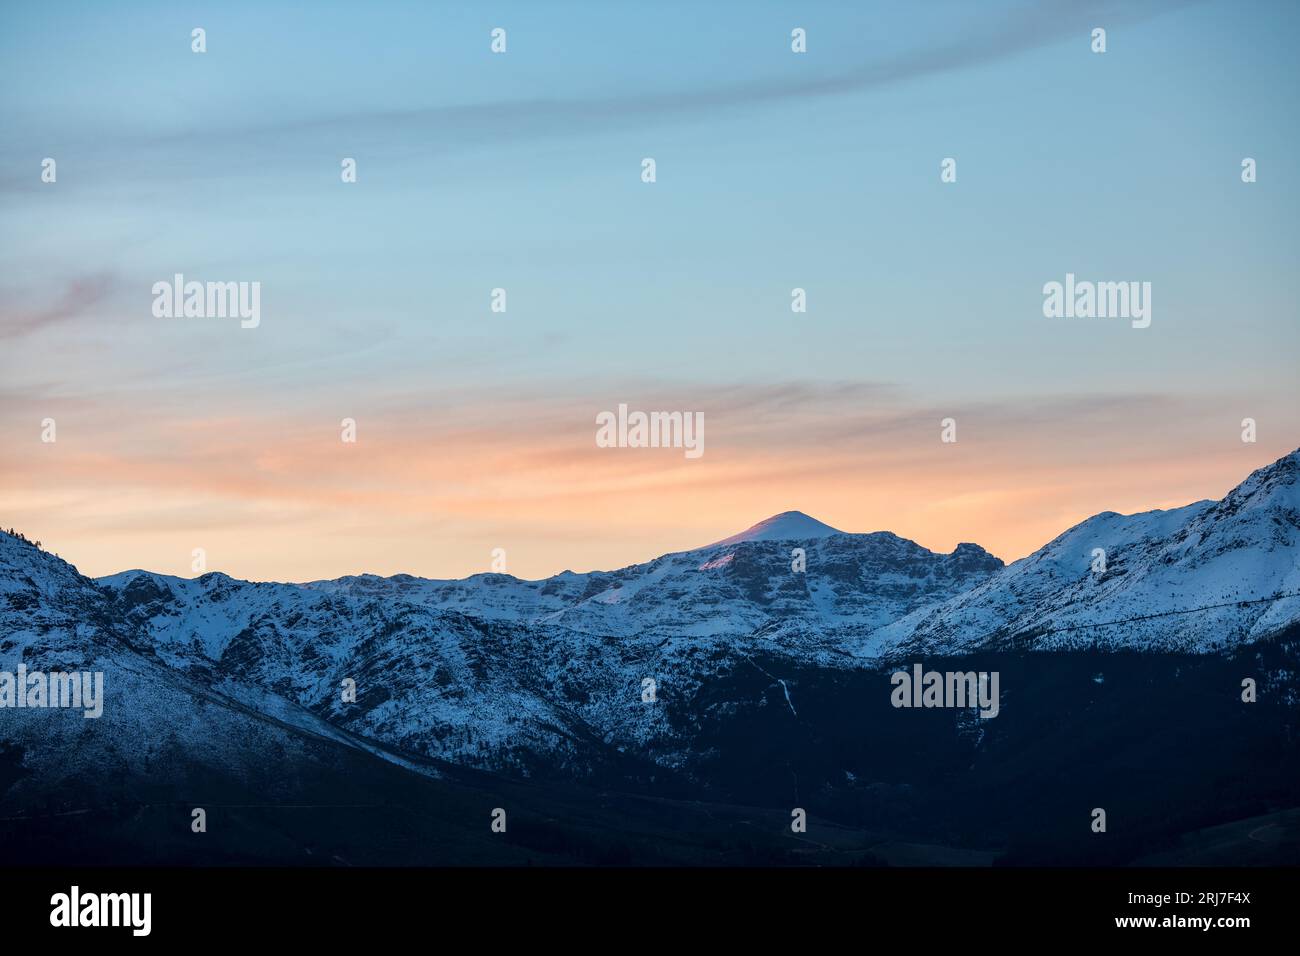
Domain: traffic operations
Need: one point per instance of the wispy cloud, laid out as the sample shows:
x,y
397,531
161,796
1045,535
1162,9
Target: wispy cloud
x,y
981,39
77,299
433,484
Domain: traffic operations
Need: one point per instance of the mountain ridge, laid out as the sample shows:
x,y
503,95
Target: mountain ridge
x,y
753,662
772,528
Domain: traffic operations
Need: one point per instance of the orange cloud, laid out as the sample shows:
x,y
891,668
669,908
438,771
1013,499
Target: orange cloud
x,y
273,493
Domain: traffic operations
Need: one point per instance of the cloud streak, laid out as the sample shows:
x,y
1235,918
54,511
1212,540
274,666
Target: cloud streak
x,y
78,297
430,487
450,128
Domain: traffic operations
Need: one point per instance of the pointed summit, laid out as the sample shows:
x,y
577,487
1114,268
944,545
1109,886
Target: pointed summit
x,y
787,526
1278,482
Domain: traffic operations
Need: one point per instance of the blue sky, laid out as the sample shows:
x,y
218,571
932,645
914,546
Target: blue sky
x,y
775,170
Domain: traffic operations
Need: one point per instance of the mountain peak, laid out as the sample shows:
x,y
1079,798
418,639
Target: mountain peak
x,y
1278,483
787,526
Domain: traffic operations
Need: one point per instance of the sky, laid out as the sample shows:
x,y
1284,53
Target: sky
x,y
523,171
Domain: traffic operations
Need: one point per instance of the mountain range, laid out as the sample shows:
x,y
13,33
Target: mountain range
x,y
750,673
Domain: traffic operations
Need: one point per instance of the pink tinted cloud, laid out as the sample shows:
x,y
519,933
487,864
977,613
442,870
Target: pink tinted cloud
x,y
427,490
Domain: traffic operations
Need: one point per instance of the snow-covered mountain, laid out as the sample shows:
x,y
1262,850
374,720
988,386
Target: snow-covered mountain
x,y
551,675
787,526
1205,577
754,670
492,670
156,724
744,584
